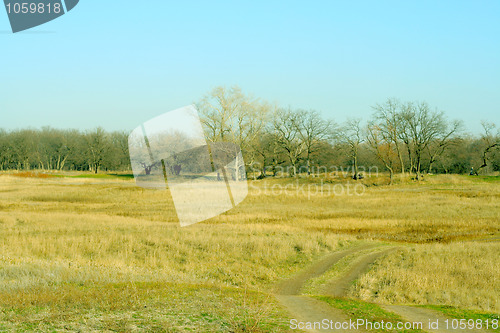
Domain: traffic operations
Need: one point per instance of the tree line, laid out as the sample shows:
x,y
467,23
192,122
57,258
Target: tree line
x,y
57,150
398,137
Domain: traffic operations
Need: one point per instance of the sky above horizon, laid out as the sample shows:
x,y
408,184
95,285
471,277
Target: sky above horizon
x,y
117,66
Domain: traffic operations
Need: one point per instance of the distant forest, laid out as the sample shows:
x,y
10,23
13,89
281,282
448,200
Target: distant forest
x,y
398,137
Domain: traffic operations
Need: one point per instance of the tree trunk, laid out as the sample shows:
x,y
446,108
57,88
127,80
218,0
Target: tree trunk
x,y
417,169
63,163
294,170
355,168
237,167
400,156
262,171
431,162
410,157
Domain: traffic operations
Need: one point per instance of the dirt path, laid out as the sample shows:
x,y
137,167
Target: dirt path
x,y
339,287
293,285
309,310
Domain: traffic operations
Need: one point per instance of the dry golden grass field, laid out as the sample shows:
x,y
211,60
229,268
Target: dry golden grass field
x,y
86,253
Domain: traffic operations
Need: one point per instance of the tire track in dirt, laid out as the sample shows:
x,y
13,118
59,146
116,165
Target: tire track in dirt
x,y
307,309
339,287
293,285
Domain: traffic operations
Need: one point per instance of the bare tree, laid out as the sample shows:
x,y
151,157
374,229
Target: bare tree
x,y
218,112
288,137
443,141
382,142
22,147
313,130
52,149
118,156
230,115
97,147
390,125
491,142
353,135
405,134
422,126
266,154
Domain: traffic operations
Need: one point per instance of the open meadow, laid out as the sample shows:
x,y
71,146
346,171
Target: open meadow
x,y
250,166
80,252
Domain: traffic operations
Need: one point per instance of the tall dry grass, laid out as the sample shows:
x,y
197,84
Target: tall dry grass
x,y
68,244
97,255
463,274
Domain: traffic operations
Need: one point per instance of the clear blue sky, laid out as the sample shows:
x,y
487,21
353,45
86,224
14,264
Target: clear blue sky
x,y
116,64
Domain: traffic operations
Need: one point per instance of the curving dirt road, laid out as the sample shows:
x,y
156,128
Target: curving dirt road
x,y
293,285
339,287
307,309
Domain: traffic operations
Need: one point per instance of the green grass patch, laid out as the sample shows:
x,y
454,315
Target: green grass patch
x,y
489,179
142,307
370,312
